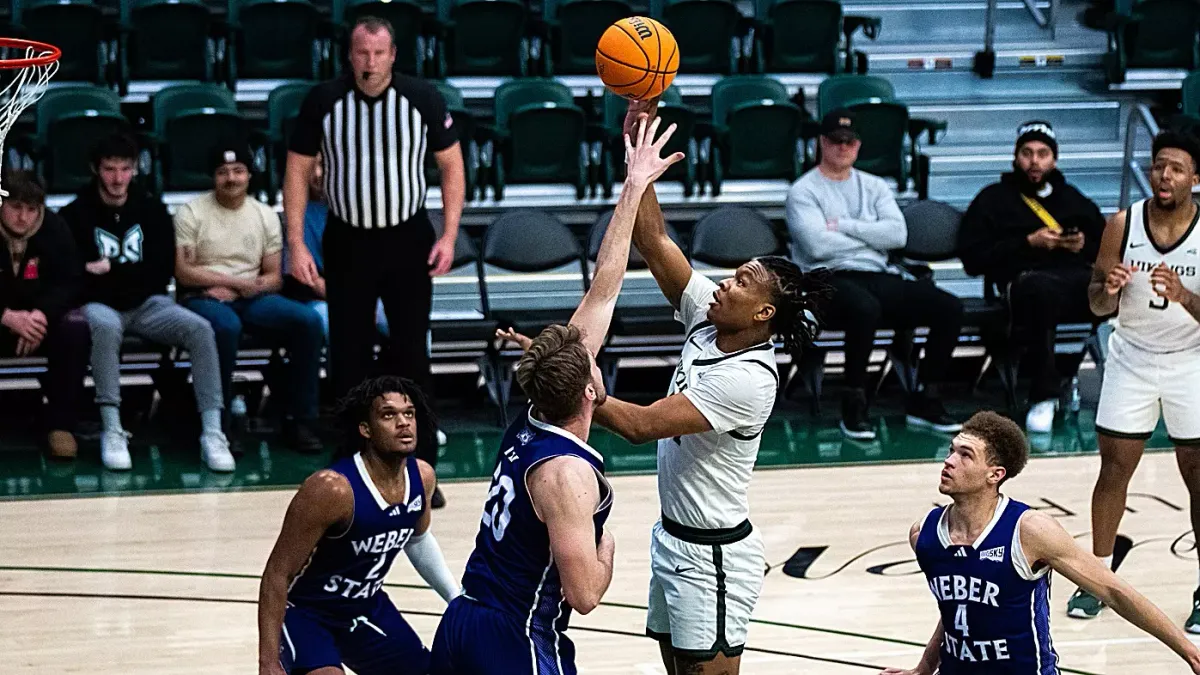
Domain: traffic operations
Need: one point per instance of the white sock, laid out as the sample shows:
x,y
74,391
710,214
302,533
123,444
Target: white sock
x,y
1107,561
210,421
110,417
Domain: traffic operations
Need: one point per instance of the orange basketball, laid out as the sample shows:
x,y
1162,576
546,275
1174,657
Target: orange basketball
x,y
637,58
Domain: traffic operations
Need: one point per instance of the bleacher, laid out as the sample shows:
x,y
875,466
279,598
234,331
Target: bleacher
x,y
940,97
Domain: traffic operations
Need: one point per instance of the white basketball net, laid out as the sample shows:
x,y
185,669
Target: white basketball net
x,y
27,86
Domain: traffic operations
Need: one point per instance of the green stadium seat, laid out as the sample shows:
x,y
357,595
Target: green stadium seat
x,y
671,109
78,27
466,124
707,33
540,136
273,39
408,22
283,106
69,120
1152,34
756,130
804,36
167,40
188,120
485,37
574,28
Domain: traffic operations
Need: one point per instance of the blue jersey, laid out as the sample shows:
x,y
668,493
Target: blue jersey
x,y
995,608
511,569
346,568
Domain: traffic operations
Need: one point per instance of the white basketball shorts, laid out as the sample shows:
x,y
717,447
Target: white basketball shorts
x,y
703,591
1139,384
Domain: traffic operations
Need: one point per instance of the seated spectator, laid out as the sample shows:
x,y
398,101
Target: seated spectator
x,y
127,242
314,234
1036,237
39,291
228,265
848,221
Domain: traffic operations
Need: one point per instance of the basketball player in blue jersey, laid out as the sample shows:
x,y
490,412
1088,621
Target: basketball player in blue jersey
x,y
1148,271
542,551
320,603
988,559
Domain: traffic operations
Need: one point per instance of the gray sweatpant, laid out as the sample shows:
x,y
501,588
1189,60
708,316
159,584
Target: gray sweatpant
x,y
158,319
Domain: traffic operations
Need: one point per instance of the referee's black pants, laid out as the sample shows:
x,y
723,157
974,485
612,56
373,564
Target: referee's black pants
x,y
1040,300
389,264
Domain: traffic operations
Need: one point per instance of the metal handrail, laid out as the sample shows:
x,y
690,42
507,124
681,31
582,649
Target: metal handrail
x,y
1139,115
1043,20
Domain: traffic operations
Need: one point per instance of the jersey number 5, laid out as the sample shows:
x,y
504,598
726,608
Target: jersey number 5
x,y
960,621
1154,303
495,510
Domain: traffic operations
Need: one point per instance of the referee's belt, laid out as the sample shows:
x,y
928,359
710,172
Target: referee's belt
x,y
706,537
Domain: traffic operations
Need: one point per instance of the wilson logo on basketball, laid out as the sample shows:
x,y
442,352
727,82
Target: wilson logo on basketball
x,y
642,29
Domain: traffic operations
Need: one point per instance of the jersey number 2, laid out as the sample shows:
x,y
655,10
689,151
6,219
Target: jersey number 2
x,y
960,621
495,511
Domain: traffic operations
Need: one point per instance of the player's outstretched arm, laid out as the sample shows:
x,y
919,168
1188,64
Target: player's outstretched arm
x,y
1044,540
423,550
1109,274
643,166
667,263
323,501
668,417
565,493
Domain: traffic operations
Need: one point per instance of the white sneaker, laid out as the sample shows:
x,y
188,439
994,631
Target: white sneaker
x,y
441,437
214,452
114,450
1040,419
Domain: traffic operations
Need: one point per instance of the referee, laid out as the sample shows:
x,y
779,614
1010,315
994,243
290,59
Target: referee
x,y
372,129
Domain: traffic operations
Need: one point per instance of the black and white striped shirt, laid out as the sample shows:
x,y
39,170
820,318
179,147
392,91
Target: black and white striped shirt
x,y
373,147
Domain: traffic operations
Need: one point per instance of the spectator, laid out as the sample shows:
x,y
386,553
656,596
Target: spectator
x,y
39,290
228,264
1036,237
315,217
127,243
848,221
376,127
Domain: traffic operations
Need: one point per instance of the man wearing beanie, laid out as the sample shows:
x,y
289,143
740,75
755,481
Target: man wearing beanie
x,y
1036,237
228,266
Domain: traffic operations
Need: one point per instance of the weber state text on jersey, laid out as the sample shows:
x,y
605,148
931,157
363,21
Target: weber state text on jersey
x,y
1146,320
511,569
346,569
703,479
994,607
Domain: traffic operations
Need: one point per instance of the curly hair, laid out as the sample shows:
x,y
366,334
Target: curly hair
x,y
1005,441
555,371
799,299
355,408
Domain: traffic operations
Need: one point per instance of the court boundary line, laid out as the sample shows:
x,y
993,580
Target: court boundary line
x,y
415,612
235,489
422,587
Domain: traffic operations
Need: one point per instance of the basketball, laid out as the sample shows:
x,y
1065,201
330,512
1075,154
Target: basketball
x,y
637,58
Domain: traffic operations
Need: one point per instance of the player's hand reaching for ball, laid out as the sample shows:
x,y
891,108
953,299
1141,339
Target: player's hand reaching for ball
x,y
649,108
1118,276
642,160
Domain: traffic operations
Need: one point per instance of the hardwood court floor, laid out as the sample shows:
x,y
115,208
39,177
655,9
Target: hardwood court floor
x,y
168,583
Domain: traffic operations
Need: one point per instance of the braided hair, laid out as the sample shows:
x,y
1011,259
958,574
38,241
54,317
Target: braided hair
x,y
355,408
799,299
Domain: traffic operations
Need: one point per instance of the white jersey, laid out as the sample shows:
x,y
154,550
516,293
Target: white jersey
x,y
1146,320
703,479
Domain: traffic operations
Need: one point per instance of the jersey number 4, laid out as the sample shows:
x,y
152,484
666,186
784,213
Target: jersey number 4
x,y
496,509
960,621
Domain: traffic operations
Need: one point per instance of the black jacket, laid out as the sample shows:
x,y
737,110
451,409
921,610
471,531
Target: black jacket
x,y
138,238
48,275
992,241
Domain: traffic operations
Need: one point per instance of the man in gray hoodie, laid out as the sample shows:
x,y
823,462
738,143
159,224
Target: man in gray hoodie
x,y
848,221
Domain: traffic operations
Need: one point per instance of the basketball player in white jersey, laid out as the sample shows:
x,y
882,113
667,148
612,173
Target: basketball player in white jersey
x,y
707,561
1148,271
